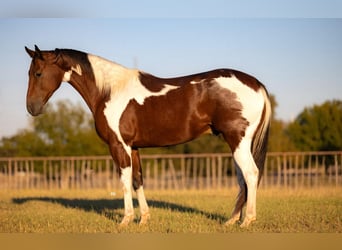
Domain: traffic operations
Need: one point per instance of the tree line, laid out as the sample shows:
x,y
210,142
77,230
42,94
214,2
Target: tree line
x,y
67,129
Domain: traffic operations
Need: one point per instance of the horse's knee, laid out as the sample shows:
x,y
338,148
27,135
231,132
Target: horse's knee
x,y
137,184
137,180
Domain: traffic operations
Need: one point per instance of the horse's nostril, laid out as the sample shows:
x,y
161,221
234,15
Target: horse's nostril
x,y
29,108
34,108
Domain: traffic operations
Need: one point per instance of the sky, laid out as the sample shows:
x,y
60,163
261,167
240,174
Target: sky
x,y
171,8
298,59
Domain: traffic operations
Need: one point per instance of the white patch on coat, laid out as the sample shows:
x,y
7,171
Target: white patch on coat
x,y
77,69
109,75
124,85
252,101
197,82
67,75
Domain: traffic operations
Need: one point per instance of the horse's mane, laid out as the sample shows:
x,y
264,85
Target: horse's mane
x,y
109,76
71,58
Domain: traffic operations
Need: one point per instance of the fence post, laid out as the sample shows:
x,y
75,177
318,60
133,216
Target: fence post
x,y
296,171
155,174
7,175
194,174
208,173
285,170
201,173
219,172
213,172
303,170
336,170
183,172
279,172
173,175
317,172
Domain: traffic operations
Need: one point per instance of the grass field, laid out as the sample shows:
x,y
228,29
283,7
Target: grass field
x,y
171,211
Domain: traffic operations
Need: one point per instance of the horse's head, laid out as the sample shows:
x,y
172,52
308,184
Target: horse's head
x,y
45,76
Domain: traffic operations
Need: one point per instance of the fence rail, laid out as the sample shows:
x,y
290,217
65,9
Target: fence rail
x,y
181,171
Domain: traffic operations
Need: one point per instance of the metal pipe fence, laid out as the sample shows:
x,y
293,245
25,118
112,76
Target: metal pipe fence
x,y
162,172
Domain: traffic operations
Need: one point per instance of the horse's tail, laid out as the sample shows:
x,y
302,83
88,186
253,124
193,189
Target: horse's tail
x,y
260,139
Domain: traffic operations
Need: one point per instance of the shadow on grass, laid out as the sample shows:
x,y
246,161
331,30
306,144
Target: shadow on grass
x,y
109,206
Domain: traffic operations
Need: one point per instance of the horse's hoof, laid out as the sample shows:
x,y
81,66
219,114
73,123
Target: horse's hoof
x,y
247,221
126,220
231,221
144,219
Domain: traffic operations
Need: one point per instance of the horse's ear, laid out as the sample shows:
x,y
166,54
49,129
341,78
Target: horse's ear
x,y
57,52
34,54
30,52
38,53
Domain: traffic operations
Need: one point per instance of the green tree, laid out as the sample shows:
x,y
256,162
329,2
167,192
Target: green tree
x,y
278,139
24,143
318,127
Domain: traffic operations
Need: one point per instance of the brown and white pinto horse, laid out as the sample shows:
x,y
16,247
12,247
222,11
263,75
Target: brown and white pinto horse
x,y
133,109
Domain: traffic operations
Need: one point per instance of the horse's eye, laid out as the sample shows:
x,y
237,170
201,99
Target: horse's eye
x,y
38,74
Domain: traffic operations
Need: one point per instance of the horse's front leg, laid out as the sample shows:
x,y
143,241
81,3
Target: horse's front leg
x,y
138,187
126,180
122,157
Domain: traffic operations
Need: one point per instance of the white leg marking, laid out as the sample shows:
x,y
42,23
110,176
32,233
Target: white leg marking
x,y
144,210
126,179
244,159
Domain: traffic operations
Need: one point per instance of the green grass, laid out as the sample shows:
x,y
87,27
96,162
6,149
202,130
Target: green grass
x,y
171,211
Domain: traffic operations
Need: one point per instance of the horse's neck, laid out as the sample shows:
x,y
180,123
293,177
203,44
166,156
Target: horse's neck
x,y
106,78
110,76
89,96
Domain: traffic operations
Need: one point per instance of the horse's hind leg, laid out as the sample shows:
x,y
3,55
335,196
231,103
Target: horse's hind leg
x,y
241,198
138,187
244,159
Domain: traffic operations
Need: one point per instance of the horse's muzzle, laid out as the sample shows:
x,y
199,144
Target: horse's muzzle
x,y
34,108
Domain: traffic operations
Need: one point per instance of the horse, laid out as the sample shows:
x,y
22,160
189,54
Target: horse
x,y
133,109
